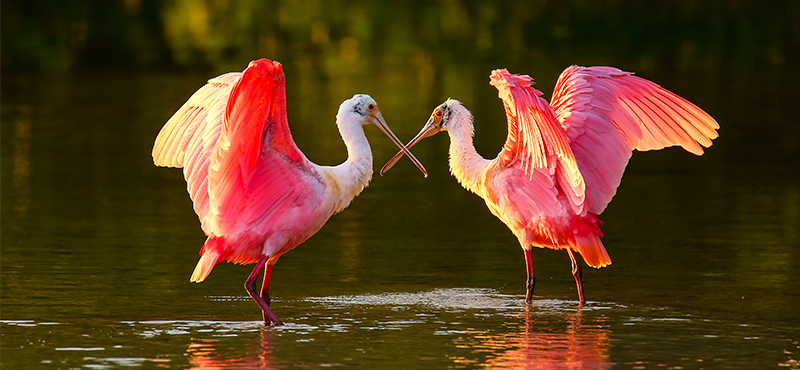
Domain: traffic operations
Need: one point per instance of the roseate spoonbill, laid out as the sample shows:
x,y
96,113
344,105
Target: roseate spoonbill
x,y
255,192
562,163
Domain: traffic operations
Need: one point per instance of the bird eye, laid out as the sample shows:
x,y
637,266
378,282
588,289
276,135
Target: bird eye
x,y
371,106
438,113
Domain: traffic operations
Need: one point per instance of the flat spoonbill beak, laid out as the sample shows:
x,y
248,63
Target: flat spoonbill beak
x,y
381,123
432,127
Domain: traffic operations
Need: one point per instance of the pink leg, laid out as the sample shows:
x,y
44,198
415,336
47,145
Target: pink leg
x,y
531,282
576,272
250,285
265,283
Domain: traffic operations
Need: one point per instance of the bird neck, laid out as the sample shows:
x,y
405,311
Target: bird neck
x,y
348,179
466,164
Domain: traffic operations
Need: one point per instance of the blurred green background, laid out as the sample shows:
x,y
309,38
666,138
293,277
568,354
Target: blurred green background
x,y
424,51
721,37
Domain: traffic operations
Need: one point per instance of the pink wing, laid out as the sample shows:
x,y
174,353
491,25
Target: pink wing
x,y
188,138
606,113
247,178
218,136
536,140
203,109
255,133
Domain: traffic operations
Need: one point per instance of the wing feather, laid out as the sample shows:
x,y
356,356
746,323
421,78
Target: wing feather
x,y
219,137
606,113
250,184
254,124
201,110
535,137
189,136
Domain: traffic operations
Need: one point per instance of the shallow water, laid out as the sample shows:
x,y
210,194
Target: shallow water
x,y
98,244
442,328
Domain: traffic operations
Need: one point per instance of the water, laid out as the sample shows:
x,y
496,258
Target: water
x,y
442,328
98,244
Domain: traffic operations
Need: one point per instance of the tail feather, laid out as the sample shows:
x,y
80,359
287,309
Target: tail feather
x,y
592,250
587,241
209,259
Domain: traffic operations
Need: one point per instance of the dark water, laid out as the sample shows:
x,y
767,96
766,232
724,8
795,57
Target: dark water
x,y
98,244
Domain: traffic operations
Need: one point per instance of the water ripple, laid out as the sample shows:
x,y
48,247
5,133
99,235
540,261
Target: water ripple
x,y
453,299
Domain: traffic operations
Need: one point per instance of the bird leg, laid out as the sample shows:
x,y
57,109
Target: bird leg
x,y
265,283
576,272
531,282
250,285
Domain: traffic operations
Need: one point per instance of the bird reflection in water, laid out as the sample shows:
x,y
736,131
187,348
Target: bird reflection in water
x,y
542,341
206,354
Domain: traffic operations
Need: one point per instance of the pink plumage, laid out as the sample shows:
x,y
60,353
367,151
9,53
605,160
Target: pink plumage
x,y
562,162
220,131
256,194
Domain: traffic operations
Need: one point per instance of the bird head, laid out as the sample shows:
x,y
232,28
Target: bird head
x,y
445,117
365,109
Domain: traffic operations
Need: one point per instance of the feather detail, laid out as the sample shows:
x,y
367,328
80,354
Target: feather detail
x,y
535,137
208,259
201,110
606,113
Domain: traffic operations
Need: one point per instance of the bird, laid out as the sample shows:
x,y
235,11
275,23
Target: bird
x,y
562,161
257,196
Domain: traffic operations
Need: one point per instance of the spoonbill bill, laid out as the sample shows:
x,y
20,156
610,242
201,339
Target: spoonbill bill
x,y
562,162
255,192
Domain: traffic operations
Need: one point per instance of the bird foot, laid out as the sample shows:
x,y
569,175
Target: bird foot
x,y
271,319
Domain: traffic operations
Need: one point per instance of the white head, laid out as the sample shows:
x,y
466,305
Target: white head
x,y
448,116
362,109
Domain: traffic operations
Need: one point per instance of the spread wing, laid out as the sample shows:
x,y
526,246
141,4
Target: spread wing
x,y
607,113
203,110
230,126
255,133
188,138
535,139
